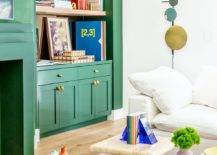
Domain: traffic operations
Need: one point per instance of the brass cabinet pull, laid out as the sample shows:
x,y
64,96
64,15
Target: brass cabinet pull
x,y
96,71
59,75
58,88
62,88
98,82
94,82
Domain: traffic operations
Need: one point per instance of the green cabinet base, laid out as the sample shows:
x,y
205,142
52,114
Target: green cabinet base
x,y
70,96
94,121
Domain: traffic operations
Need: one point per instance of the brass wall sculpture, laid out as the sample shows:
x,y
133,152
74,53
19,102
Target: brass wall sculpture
x,y
176,36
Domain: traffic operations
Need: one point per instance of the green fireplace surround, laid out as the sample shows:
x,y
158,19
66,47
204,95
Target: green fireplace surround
x,y
18,74
17,89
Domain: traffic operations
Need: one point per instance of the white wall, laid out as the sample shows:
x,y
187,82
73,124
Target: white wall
x,y
144,28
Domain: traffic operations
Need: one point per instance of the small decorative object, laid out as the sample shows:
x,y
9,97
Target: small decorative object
x,y
184,139
132,129
176,37
171,14
138,130
63,151
54,153
74,4
6,9
173,2
58,36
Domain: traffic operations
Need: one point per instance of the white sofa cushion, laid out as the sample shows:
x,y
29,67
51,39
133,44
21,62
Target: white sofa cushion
x,y
205,87
170,89
200,117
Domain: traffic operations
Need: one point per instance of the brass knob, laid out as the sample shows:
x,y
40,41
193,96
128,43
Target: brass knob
x,y
94,82
96,71
62,88
59,75
58,88
98,82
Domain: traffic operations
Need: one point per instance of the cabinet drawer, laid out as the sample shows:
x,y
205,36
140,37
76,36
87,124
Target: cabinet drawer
x,y
95,71
57,75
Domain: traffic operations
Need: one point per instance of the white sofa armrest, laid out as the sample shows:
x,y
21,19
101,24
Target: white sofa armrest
x,y
144,104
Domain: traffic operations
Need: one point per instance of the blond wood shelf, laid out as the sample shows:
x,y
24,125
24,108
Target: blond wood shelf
x,y
41,10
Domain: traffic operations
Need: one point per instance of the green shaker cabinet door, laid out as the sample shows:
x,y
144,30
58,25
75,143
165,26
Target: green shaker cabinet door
x,y
85,110
48,113
67,99
102,96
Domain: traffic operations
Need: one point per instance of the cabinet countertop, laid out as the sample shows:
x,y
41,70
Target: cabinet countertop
x,y
47,65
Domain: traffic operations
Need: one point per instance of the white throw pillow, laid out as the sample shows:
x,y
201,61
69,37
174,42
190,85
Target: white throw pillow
x,y
170,89
205,87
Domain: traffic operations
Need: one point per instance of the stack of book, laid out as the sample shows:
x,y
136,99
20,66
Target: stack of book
x,y
49,3
74,57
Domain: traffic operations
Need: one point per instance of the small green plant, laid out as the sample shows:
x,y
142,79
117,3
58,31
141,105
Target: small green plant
x,y
185,138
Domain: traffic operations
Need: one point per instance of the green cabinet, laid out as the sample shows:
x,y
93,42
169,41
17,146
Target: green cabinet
x,y
47,108
67,99
85,91
94,98
73,98
56,104
102,93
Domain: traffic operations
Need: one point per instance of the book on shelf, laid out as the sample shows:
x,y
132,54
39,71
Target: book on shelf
x,y
95,5
48,3
62,4
91,37
55,3
74,57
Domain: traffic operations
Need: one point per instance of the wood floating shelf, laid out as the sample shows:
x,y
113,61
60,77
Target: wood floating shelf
x,y
41,10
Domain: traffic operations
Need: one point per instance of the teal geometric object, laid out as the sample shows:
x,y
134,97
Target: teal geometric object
x,y
173,2
170,14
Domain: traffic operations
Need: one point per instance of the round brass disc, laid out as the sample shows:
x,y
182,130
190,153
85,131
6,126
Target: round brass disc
x,y
176,37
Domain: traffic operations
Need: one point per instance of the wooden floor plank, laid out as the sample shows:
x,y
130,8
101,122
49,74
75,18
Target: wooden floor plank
x,y
78,141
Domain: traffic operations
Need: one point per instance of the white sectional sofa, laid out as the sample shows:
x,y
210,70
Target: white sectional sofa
x,y
201,117
171,101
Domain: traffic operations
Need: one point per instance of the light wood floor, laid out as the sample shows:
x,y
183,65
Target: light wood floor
x,y
78,141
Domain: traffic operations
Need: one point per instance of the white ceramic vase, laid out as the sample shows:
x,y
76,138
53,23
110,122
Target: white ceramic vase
x,y
185,152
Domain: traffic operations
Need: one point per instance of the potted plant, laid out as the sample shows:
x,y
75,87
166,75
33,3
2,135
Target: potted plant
x,y
184,139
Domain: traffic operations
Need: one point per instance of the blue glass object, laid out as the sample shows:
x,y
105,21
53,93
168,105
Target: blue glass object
x,y
145,135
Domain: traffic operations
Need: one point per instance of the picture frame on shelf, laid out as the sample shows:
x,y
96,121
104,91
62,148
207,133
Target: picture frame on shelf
x,y
58,34
6,9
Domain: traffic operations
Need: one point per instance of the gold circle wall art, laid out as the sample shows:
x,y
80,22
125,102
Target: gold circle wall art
x,y
176,37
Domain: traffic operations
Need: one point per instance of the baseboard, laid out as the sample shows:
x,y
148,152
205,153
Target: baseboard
x,y
117,114
36,138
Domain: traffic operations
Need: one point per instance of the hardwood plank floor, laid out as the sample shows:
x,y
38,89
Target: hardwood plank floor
x,y
78,141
